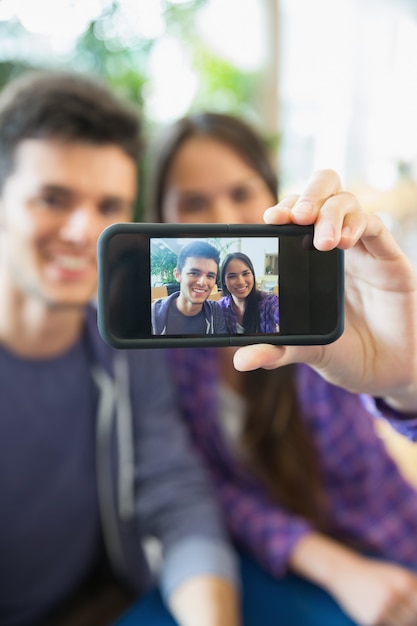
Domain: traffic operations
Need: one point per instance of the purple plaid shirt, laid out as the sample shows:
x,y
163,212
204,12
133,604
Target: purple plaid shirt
x,y
268,313
370,505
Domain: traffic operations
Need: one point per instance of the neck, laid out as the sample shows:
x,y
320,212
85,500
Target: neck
x,y
239,305
187,308
239,302
32,328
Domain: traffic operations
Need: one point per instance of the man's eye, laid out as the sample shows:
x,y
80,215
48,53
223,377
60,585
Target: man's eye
x,y
53,201
240,194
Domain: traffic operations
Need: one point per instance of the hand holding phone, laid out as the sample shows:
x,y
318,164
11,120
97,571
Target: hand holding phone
x,y
377,352
164,285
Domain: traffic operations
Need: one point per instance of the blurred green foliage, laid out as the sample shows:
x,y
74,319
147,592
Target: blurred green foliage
x,y
124,65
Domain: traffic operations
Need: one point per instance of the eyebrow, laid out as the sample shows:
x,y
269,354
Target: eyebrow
x,y
71,194
247,271
197,269
192,193
57,189
196,192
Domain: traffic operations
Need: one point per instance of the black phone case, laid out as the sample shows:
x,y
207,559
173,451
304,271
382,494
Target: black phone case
x,y
311,308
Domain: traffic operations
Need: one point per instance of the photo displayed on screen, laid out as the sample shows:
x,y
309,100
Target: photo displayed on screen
x,y
214,286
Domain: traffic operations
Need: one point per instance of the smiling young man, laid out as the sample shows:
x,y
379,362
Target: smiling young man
x,y
188,311
84,473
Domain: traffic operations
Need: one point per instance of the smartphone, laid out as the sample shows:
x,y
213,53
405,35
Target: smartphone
x,y
160,285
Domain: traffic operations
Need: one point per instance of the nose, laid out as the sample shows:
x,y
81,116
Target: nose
x,y
223,211
81,225
201,280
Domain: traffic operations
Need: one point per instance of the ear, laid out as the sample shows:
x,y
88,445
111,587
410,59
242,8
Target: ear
x,y
177,275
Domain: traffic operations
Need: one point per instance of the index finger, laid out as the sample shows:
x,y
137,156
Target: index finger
x,y
304,209
320,187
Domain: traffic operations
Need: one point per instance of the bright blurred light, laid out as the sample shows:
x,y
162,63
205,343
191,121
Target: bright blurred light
x,y
64,18
67,19
303,122
144,19
235,30
382,174
180,1
349,100
174,83
7,10
316,82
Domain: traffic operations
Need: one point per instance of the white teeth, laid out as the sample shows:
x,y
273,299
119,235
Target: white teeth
x,y
72,262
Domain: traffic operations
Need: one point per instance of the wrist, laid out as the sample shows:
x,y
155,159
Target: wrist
x,y
205,601
317,557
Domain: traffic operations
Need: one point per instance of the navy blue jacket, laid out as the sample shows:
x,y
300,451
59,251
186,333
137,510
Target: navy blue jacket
x,y
213,314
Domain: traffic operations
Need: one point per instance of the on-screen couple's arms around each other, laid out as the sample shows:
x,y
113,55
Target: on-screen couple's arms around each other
x,y
372,592
229,314
219,323
175,504
377,353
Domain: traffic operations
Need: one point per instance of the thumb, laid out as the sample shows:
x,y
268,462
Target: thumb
x,y
259,355
270,357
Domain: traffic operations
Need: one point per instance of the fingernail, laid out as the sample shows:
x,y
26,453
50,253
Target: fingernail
x,y
325,232
302,208
270,213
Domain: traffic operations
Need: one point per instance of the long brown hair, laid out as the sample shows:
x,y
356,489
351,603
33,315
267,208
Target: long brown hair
x,y
278,448
250,320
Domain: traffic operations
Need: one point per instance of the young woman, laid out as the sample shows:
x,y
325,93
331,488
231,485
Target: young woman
x,y
246,308
306,486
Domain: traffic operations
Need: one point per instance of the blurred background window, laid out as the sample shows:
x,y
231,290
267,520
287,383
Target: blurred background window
x,y
349,88
329,83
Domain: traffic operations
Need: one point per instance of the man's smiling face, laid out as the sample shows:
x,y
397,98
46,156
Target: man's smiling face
x,y
197,279
53,206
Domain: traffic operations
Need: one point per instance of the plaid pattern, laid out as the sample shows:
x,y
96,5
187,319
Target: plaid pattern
x,y
268,313
370,506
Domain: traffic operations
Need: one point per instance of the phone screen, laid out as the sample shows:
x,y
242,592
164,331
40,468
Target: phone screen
x,y
170,285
